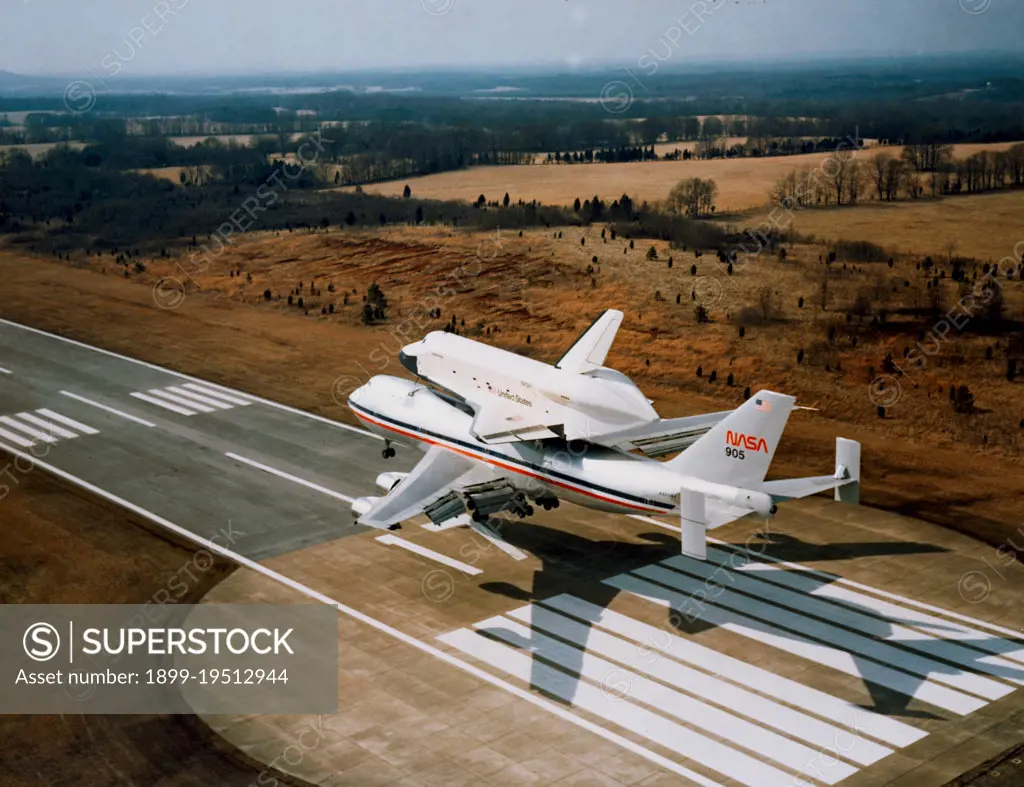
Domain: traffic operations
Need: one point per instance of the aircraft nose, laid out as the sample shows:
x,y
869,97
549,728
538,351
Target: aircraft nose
x,y
408,361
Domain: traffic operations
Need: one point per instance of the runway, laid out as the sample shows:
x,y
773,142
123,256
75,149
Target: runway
x,y
840,647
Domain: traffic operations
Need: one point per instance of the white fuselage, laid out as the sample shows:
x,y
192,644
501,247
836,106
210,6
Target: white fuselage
x,y
598,401
576,471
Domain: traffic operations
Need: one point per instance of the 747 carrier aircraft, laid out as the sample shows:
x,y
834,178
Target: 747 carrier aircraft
x,y
578,449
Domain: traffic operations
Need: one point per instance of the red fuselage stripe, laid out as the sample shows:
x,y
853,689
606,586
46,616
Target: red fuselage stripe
x,y
503,465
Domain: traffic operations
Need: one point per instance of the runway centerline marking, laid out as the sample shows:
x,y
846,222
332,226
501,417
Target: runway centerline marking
x,y
5,371
97,405
343,609
391,540
289,477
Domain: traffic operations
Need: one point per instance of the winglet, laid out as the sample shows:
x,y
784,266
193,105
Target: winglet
x,y
591,348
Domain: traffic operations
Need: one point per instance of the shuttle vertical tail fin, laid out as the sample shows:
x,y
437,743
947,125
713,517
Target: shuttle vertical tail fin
x,y
591,348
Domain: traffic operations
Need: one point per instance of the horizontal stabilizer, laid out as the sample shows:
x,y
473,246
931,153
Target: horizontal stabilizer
x,y
845,480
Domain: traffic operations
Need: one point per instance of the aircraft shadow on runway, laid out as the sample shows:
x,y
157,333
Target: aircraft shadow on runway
x,y
571,563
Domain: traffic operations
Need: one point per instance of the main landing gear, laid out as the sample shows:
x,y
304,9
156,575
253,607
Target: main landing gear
x,y
388,451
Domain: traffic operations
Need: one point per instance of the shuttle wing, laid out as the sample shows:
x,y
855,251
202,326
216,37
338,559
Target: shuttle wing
x,y
429,481
590,349
664,436
496,424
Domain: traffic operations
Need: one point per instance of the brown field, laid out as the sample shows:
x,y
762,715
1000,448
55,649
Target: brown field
x,y
742,183
922,459
985,226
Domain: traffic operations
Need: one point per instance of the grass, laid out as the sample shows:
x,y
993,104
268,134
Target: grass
x,y
985,226
743,184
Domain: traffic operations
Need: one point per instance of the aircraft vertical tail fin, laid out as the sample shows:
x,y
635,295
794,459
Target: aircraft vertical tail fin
x,y
591,348
739,449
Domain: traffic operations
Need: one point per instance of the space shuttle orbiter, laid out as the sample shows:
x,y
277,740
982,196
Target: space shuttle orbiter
x,y
512,397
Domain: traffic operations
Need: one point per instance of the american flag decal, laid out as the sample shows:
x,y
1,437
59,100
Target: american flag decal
x,y
763,406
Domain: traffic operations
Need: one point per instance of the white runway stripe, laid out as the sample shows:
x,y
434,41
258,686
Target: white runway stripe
x,y
808,581
50,427
659,665
628,715
838,580
25,429
391,540
5,371
767,634
694,713
854,610
163,395
165,405
82,427
819,629
14,438
653,640
189,396
289,477
217,393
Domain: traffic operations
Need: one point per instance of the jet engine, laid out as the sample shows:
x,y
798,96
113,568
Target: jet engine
x,y
388,481
363,504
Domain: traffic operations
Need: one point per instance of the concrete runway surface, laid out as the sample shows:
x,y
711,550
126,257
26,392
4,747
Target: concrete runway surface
x,y
845,645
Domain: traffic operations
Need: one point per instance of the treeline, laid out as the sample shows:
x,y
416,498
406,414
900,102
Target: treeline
x,y
60,203
921,170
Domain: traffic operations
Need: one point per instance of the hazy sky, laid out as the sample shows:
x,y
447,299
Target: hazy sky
x,y
236,36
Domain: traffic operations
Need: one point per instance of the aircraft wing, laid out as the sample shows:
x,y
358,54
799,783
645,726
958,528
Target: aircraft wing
x,y
664,436
590,349
435,475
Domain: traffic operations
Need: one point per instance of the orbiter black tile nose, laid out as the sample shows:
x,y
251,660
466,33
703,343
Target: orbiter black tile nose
x,y
409,362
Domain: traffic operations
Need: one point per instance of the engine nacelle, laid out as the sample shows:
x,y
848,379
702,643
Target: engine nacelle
x,y
363,504
388,481
760,502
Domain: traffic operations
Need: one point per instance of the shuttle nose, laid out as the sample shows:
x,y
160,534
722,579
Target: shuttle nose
x,y
408,360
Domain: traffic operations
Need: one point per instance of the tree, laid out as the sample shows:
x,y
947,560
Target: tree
x,y
694,197
407,192
505,201
419,214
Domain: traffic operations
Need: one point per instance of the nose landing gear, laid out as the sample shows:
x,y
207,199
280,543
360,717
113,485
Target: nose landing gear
x,y
388,451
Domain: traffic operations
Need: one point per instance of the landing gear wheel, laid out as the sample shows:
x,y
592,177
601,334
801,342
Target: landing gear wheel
x,y
388,451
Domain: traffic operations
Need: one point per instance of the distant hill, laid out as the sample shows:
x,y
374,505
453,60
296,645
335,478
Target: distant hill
x,y
19,84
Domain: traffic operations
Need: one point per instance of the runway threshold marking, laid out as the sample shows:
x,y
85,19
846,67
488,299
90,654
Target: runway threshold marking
x,y
289,477
835,579
31,431
746,622
199,380
343,609
161,403
50,427
699,717
99,406
391,540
